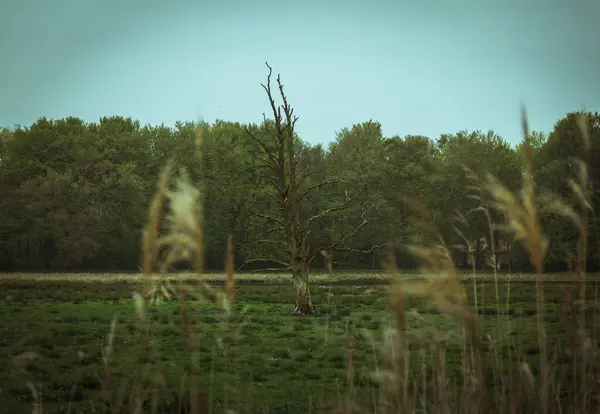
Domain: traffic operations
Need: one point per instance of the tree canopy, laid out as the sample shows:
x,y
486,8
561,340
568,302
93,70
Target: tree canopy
x,y
73,194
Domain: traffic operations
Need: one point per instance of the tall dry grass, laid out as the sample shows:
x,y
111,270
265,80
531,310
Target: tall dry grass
x,y
495,384
174,232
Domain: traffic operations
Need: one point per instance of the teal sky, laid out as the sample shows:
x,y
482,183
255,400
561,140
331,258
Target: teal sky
x,y
418,67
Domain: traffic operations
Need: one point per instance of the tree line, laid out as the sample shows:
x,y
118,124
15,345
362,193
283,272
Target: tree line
x,y
74,194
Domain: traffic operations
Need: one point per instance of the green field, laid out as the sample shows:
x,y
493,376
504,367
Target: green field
x,y
262,361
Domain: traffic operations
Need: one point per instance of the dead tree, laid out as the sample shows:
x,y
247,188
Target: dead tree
x,y
289,185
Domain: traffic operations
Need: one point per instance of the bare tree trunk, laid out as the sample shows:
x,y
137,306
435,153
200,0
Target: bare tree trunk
x,y
304,304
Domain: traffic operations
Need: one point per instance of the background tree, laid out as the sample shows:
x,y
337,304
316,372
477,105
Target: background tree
x,y
557,166
464,157
74,194
410,172
355,159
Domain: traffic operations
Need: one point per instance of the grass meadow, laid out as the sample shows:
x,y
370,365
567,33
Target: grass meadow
x,y
59,354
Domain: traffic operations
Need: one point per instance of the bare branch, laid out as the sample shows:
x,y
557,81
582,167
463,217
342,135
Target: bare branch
x,y
268,162
272,161
346,236
279,262
267,217
307,228
340,244
267,241
319,185
276,111
268,130
273,230
363,251
252,167
273,196
335,209
287,109
273,269
307,175
272,181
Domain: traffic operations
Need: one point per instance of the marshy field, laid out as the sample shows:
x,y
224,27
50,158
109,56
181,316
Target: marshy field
x,y
81,343
448,338
257,209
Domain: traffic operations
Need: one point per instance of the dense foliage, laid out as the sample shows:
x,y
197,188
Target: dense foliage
x,y
74,195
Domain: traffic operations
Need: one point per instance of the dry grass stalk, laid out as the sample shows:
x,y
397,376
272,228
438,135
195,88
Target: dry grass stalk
x,y
182,240
442,287
229,269
401,400
150,234
524,221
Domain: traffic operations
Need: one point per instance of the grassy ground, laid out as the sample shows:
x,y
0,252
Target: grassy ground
x,y
269,362
341,277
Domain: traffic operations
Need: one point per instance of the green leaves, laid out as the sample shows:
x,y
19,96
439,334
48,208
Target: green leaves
x,y
75,194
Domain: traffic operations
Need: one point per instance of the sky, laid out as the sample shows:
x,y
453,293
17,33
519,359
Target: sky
x,y
423,67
